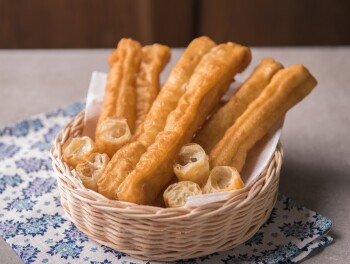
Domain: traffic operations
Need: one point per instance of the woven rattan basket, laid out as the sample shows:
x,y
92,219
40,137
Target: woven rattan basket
x,y
154,233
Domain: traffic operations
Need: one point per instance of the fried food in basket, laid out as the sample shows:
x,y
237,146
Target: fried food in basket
x,y
125,160
154,59
120,95
119,101
77,150
173,89
91,170
192,164
147,135
113,133
215,128
177,193
207,85
223,179
288,87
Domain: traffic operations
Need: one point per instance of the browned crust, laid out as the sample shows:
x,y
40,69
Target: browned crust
x,y
154,59
120,95
208,83
288,87
125,160
215,128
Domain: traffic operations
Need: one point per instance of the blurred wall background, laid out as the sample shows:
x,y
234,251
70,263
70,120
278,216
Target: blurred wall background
x,y
100,24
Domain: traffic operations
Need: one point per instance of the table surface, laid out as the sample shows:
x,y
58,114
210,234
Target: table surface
x,y
316,138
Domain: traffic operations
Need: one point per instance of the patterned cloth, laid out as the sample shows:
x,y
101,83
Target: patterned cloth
x,y
32,221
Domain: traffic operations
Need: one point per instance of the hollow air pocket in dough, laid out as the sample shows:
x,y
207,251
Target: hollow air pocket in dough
x,y
223,179
192,164
91,170
177,193
77,150
113,133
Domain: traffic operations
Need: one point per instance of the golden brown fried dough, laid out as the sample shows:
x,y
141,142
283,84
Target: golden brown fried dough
x,y
205,88
91,170
77,150
192,164
126,101
154,59
215,128
113,57
125,160
173,89
239,159
177,193
223,179
121,80
288,87
113,134
120,96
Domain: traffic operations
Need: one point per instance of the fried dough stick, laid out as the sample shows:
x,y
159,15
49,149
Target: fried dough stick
x,y
209,82
192,164
91,169
288,87
119,102
154,59
223,179
127,157
214,129
177,193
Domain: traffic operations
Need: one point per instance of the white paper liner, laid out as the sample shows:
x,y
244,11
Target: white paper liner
x,y
94,101
258,158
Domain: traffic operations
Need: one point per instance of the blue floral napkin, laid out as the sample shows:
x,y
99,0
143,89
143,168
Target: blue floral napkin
x,y
32,221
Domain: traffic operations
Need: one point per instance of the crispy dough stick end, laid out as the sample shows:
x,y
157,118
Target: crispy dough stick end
x,y
111,135
176,194
77,150
192,164
91,170
223,179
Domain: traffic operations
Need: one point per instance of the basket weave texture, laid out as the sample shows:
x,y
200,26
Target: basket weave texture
x,y
154,233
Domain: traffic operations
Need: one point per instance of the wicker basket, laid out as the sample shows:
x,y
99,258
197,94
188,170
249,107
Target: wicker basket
x,y
153,233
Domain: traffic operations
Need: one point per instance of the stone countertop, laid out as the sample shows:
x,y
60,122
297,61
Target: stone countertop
x,y
316,138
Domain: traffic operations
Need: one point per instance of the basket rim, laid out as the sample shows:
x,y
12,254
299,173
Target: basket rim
x,y
67,179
